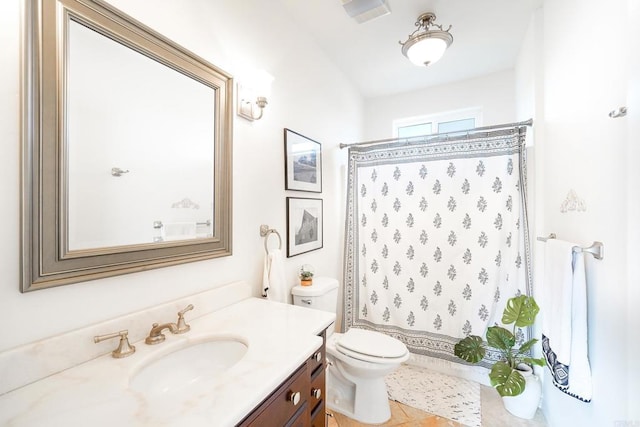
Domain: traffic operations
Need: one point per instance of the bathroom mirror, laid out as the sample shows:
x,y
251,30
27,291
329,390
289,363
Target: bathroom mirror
x,y
126,147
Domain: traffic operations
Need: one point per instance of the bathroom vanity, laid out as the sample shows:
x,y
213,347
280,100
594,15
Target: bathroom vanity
x,y
271,371
299,401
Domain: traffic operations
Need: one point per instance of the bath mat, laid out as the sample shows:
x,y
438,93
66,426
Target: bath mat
x,y
439,394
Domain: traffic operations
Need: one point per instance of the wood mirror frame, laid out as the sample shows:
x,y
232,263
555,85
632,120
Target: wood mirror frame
x,y
45,258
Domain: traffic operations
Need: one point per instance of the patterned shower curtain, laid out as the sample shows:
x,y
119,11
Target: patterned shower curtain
x,y
436,238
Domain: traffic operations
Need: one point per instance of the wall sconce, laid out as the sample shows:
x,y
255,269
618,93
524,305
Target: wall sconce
x,y
253,94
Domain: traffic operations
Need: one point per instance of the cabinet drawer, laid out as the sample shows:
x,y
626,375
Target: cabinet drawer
x,y
301,418
280,407
317,359
317,389
319,417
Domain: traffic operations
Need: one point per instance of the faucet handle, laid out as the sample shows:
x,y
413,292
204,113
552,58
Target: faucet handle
x,y
124,348
182,325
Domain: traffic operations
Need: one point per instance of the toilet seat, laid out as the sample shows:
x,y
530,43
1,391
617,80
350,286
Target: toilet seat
x,y
371,346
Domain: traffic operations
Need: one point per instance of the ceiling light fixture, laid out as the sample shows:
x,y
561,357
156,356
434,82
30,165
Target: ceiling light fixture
x,y
425,46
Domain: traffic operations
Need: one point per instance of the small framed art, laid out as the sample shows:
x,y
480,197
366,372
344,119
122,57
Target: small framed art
x,y
304,225
303,163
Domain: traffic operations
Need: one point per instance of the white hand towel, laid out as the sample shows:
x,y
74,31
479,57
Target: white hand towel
x,y
273,279
564,326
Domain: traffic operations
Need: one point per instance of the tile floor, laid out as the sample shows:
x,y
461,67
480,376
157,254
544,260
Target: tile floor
x,y
493,415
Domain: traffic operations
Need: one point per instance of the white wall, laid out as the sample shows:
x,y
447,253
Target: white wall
x,y
584,76
529,79
309,95
633,191
494,93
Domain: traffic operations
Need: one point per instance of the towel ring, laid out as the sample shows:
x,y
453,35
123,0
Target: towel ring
x,y
265,231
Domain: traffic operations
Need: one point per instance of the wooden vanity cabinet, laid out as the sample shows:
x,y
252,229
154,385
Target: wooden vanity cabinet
x,y
317,390
299,401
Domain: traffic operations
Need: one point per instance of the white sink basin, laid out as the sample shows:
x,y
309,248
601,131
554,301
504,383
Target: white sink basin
x,y
186,365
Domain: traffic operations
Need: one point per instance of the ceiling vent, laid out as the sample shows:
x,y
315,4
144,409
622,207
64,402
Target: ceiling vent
x,y
365,10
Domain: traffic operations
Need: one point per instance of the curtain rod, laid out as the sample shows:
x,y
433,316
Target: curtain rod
x,y
380,141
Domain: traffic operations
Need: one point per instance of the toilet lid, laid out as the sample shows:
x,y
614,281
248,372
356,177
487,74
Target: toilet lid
x,y
361,342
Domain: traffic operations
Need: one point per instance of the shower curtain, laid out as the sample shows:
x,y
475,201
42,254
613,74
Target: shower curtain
x,y
436,238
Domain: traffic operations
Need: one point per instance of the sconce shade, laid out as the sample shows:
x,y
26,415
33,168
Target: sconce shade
x,y
261,83
426,46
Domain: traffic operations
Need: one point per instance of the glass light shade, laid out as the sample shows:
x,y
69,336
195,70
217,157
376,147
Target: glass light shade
x,y
427,47
427,51
261,83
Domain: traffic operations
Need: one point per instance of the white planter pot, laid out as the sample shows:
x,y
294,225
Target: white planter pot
x,y
525,404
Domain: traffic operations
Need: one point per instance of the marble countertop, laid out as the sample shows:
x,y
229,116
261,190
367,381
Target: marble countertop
x,y
280,338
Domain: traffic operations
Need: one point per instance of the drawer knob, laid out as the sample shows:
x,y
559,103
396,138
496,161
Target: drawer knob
x,y
317,356
294,397
317,393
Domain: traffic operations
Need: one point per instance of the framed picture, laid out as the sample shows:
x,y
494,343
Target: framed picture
x,y
302,163
304,225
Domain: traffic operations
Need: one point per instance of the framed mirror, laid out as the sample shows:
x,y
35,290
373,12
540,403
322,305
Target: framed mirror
x,y
127,143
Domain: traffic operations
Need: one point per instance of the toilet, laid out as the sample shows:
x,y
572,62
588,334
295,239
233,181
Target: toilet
x,y
358,359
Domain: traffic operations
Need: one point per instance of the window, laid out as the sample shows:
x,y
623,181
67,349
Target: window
x,y
447,122
415,130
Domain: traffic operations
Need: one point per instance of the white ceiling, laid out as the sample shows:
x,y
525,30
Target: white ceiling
x,y
487,35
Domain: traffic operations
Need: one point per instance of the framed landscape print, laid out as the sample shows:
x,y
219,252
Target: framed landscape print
x,y
304,225
302,163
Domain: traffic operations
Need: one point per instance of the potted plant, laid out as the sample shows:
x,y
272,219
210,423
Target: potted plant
x,y
306,277
512,376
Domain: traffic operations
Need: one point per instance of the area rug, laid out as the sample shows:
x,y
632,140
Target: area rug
x,y
439,394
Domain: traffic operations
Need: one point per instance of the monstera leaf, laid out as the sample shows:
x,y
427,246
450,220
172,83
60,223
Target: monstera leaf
x,y
508,381
470,349
522,310
501,338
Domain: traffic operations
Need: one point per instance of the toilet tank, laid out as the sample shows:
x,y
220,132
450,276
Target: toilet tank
x,y
321,295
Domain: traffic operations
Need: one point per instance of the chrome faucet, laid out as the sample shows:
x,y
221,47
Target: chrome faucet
x,y
156,336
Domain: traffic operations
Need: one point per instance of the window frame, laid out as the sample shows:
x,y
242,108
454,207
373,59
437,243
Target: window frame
x,y
437,118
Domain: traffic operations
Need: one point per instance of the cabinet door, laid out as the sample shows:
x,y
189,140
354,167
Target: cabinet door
x,y
284,404
301,418
317,391
319,417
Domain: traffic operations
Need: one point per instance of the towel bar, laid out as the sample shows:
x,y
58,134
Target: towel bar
x,y
265,231
596,249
